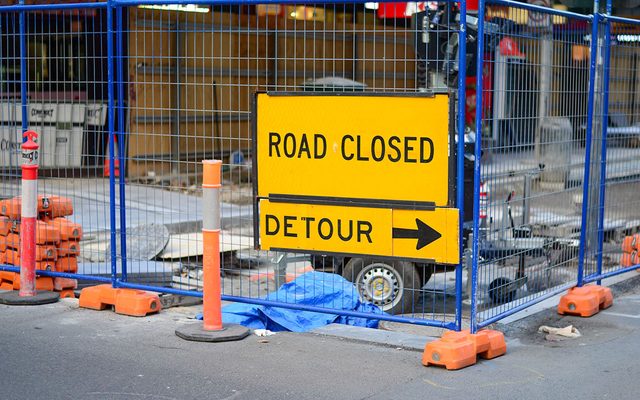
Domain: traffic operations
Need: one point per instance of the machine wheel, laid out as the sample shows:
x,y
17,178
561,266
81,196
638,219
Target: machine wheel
x,y
391,285
501,290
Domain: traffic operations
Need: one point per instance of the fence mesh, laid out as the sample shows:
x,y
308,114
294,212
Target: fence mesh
x,y
64,70
191,79
535,106
616,211
182,81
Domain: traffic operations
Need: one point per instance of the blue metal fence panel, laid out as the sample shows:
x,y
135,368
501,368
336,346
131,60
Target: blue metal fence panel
x,y
531,113
618,216
555,129
54,81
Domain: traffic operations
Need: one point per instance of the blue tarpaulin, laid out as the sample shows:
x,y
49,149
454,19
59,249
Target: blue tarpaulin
x,y
316,289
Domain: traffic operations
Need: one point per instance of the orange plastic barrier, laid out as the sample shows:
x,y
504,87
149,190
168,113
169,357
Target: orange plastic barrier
x,y
585,301
46,252
629,259
631,243
67,294
136,303
5,226
455,350
67,264
13,257
68,248
43,283
13,241
54,206
60,284
68,230
11,208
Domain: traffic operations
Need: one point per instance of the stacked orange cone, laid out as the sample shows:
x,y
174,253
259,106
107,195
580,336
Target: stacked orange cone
x,y
630,251
57,243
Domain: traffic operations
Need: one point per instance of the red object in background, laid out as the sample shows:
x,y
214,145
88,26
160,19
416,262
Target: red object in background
x,y
116,164
509,48
404,10
392,10
472,5
487,86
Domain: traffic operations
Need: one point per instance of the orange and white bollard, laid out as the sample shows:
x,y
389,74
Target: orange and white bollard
x,y
29,216
212,329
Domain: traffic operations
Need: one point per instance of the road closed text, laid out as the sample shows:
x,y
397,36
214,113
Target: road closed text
x,y
352,147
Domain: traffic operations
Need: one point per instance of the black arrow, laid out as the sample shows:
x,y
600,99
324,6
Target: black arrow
x,y
425,234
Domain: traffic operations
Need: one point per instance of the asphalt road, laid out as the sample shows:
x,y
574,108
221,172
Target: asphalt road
x,y
62,352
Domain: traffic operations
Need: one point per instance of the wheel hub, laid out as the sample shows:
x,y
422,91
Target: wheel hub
x,y
381,285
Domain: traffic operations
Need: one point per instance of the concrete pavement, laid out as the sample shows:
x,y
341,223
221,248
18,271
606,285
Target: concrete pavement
x,y
62,352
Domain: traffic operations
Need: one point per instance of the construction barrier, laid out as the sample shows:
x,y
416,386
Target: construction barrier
x,y
354,142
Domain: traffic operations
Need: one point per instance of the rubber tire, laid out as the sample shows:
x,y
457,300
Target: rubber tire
x,y
499,292
405,270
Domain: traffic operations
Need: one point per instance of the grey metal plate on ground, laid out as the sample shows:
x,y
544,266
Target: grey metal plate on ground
x,y
144,242
191,245
147,272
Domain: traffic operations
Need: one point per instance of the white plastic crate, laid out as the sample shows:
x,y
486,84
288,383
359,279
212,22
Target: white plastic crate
x,y
75,146
78,113
64,112
7,112
96,114
10,146
43,113
47,142
62,153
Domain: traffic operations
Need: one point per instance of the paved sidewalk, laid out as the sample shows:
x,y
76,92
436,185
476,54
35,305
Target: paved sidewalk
x,y
62,352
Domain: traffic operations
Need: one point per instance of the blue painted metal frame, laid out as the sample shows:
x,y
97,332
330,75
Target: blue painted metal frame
x,y
589,136
243,2
50,7
117,6
462,82
603,155
23,69
268,303
53,274
121,143
111,136
476,167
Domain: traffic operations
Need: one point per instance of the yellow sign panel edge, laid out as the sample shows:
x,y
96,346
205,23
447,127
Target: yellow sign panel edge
x,y
367,202
450,234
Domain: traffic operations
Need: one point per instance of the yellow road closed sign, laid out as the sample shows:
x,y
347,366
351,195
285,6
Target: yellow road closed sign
x,y
392,149
412,234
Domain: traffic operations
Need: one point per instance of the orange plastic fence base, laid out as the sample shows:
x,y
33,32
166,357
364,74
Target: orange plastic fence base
x,y
67,294
43,283
136,303
456,350
585,301
60,284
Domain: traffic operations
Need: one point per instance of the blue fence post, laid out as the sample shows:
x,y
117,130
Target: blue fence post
x,y
23,68
110,123
476,167
587,158
462,72
605,118
121,144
